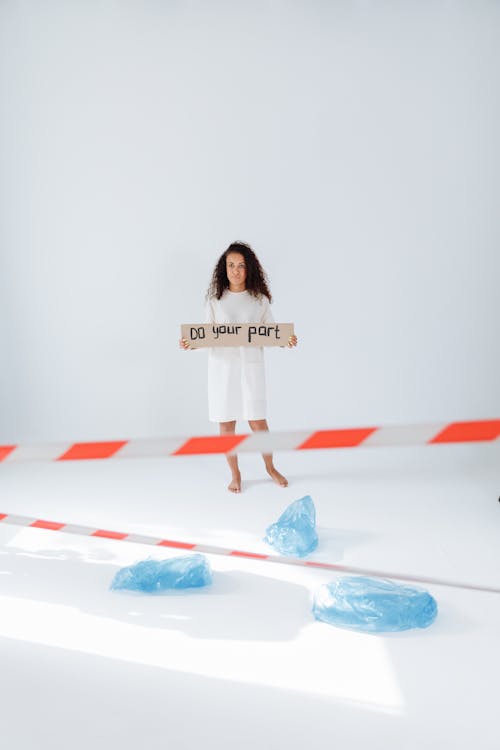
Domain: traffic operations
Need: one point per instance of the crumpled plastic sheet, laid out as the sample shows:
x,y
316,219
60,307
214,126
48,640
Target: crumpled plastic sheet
x,y
294,533
373,605
153,576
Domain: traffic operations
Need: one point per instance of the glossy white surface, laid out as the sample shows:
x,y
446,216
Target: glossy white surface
x,y
243,663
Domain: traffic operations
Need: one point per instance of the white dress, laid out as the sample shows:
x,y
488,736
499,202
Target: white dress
x,y
236,374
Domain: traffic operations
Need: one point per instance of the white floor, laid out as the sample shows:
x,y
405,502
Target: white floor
x,y
244,664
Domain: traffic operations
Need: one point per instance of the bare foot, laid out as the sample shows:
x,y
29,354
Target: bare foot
x,y
235,484
277,477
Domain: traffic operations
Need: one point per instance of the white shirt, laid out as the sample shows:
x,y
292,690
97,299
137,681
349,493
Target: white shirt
x,y
236,375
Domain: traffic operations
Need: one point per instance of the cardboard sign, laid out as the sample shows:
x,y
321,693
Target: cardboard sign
x,y
236,334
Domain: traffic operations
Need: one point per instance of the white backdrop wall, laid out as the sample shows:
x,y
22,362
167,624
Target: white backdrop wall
x,y
353,144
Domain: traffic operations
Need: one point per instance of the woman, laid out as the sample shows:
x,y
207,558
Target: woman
x,y
239,293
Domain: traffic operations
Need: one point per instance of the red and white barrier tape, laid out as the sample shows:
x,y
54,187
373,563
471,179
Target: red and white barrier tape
x,y
208,549
258,442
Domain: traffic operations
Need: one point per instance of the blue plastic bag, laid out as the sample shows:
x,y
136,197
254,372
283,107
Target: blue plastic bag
x,y
294,533
373,605
151,576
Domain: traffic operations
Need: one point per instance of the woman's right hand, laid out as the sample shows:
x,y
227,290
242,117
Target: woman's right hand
x,y
184,344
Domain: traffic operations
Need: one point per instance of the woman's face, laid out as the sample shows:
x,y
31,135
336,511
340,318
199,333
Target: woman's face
x,y
236,270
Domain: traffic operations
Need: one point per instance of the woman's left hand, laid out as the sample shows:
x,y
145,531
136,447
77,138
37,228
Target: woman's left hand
x,y
292,341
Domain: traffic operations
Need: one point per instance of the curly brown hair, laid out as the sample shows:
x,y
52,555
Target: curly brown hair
x,y
256,281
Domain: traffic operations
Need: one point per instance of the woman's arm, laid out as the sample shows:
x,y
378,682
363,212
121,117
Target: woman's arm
x,y
268,317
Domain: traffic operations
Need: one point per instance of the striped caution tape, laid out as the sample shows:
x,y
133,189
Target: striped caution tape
x,y
258,442
37,523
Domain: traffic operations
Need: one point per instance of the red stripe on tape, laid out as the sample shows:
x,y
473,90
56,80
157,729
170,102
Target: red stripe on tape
x,y
179,545
85,531
47,525
83,451
464,432
210,444
337,438
109,534
6,450
238,553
